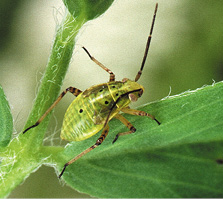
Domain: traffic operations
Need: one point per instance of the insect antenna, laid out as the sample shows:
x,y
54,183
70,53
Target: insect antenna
x,y
147,45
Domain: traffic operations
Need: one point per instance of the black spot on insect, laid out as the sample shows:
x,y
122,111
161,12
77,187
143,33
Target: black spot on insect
x,y
106,102
113,86
81,110
116,94
219,161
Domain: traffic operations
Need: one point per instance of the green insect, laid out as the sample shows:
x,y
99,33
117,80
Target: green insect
x,y
95,107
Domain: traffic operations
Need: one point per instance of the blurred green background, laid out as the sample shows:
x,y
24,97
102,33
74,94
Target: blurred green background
x,y
185,53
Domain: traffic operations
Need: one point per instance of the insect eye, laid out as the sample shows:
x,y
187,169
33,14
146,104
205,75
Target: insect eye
x,y
132,97
140,93
81,110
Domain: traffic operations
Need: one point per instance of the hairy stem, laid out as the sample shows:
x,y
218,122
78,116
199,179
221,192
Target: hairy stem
x,y
24,154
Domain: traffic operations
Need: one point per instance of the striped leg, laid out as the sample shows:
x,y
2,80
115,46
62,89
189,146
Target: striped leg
x,y
98,142
72,90
127,124
138,112
112,75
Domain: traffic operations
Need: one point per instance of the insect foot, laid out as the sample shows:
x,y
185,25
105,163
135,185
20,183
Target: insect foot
x,y
157,121
37,123
63,170
116,137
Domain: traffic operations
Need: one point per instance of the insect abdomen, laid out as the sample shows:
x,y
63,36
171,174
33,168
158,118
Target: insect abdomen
x,y
88,113
78,124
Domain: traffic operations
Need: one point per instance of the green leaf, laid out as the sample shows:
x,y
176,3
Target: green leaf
x,y
6,122
180,158
87,9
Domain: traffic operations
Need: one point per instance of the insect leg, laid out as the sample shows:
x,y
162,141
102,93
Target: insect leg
x,y
72,90
98,142
127,124
112,75
138,112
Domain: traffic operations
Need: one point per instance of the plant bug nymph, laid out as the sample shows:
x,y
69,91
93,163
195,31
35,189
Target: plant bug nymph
x,y
95,107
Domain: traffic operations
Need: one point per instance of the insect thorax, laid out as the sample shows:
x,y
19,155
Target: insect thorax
x,y
103,96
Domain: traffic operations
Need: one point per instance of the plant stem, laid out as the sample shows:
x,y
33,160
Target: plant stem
x,y
54,75
24,153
